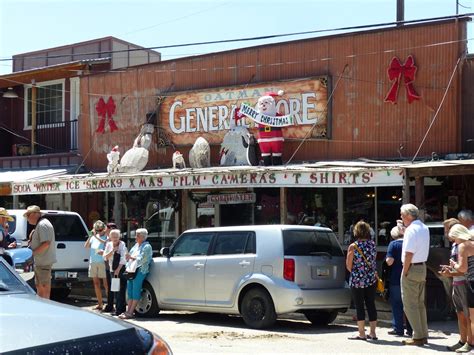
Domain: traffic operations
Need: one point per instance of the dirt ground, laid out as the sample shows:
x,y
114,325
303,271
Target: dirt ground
x,y
204,333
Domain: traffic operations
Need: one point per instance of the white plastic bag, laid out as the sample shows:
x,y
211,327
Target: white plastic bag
x,y
115,284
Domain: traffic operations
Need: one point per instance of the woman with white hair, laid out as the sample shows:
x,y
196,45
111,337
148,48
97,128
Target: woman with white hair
x,y
394,261
138,261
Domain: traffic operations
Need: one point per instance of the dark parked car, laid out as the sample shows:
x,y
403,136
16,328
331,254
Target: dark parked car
x,y
32,325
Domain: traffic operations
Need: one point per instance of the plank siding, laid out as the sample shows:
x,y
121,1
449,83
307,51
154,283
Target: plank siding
x,y
361,123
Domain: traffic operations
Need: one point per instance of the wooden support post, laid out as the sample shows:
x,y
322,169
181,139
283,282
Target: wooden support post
x,y
33,119
420,192
406,187
184,210
283,205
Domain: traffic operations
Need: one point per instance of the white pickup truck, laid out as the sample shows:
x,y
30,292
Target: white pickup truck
x,y
72,258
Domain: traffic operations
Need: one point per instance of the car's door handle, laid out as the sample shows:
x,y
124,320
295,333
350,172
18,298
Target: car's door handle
x,y
244,263
198,265
61,246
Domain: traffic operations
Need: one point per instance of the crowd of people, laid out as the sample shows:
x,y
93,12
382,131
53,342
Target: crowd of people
x,y
109,259
406,257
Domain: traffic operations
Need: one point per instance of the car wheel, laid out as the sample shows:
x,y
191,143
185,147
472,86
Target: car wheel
x,y
321,317
60,294
148,305
257,309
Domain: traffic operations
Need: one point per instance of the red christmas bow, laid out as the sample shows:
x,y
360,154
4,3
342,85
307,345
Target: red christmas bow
x,y
396,71
106,110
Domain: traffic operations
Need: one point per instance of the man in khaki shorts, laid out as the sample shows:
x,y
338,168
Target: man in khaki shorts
x,y
43,244
96,243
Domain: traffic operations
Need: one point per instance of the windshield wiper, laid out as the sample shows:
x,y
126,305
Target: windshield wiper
x,y
2,289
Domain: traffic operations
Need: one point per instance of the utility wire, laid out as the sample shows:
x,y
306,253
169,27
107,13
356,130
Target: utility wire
x,y
439,106
315,123
266,37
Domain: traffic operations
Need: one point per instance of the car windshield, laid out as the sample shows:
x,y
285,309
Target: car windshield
x,y
9,281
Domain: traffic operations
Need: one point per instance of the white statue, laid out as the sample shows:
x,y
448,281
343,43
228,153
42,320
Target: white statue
x,y
200,154
178,161
136,158
113,157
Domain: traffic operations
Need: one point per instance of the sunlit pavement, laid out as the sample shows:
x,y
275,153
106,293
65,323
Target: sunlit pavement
x,y
203,333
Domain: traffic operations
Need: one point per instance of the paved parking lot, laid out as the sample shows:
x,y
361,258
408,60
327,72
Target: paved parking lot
x,y
203,333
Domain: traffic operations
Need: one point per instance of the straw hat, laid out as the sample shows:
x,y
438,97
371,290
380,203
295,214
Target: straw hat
x,y
4,214
31,209
458,231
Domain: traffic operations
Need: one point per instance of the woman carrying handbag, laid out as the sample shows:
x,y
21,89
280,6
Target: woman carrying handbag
x,y
361,264
114,254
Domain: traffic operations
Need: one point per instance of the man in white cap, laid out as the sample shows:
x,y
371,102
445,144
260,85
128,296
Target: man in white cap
x,y
43,244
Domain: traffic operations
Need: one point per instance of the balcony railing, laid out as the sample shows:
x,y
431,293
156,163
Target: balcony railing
x,y
56,137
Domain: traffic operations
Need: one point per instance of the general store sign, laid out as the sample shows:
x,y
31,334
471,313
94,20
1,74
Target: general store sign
x,y
187,116
218,180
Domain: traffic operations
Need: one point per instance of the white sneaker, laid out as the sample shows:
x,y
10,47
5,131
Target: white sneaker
x,y
464,349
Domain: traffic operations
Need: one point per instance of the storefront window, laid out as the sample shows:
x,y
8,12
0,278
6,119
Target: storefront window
x,y
316,207
267,207
389,201
359,204
154,210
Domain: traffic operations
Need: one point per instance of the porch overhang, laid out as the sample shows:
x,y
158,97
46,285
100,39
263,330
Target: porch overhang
x,y
317,175
64,70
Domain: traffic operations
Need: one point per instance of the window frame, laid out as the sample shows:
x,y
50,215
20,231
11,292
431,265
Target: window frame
x,y
27,99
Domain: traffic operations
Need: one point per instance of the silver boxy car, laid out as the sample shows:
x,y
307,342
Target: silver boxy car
x,y
258,272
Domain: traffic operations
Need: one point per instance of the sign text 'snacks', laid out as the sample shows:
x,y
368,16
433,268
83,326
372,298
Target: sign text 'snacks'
x,y
217,180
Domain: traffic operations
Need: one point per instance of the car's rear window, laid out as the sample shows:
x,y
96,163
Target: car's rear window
x,y
67,227
305,242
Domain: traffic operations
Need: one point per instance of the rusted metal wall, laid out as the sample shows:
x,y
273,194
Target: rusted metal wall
x,y
362,125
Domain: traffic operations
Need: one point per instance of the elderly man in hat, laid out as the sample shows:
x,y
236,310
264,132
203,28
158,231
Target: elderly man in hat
x,y
43,244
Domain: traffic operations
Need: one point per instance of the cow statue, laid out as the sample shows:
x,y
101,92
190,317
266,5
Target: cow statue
x,y
136,158
113,157
200,154
238,145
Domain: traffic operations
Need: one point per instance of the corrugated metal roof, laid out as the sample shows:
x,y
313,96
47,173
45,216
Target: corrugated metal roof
x,y
27,175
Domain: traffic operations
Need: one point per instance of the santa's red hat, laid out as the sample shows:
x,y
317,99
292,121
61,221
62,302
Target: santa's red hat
x,y
274,94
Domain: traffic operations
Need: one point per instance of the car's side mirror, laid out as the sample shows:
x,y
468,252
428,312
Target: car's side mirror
x,y
165,251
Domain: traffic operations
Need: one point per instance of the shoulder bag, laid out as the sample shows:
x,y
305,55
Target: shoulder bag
x,y
380,288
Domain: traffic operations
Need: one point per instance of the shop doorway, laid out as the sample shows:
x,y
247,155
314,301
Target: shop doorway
x,y
236,214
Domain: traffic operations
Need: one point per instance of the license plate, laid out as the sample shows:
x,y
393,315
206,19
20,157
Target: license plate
x,y
60,274
317,272
65,275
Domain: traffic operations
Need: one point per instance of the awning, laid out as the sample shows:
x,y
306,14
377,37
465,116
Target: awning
x,y
7,178
320,175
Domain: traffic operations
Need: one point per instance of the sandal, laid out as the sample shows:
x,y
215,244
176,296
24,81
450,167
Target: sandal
x,y
370,337
98,308
125,315
356,337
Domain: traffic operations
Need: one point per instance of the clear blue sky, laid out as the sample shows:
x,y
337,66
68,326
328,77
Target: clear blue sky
x,y
27,26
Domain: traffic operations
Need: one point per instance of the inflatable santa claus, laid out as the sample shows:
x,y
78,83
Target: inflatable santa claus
x,y
270,139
